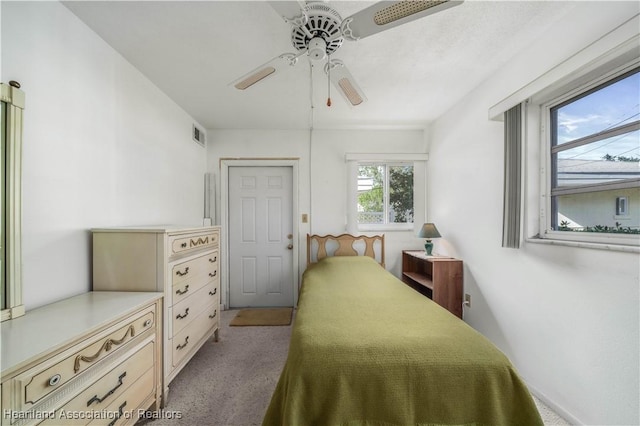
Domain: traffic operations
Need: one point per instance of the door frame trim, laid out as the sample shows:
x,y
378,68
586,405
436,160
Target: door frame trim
x,y
225,163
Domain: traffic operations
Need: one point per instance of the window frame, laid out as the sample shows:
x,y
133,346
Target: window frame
x,y
419,162
608,240
393,226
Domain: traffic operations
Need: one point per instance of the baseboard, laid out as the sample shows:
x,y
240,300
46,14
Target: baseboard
x,y
555,407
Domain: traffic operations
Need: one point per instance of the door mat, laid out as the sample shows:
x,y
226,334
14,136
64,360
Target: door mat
x,y
262,316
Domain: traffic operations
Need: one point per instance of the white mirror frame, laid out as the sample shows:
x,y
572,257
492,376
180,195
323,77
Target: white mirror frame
x,y
14,99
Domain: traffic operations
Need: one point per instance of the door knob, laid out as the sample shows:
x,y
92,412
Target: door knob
x,y
290,246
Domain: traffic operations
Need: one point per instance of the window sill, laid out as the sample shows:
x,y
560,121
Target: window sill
x,y
584,244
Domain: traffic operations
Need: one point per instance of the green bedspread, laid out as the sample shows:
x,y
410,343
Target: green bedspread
x,y
368,350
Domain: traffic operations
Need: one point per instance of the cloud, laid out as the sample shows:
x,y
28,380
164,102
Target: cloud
x,y
571,123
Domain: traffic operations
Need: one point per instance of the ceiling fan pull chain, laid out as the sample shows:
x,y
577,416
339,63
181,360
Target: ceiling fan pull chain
x,y
328,80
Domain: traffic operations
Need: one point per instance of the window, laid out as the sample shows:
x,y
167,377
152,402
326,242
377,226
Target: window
x,y
593,162
621,206
385,193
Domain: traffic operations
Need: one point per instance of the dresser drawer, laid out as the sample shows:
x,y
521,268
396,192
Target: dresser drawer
x,y
187,339
201,269
124,409
185,243
186,310
106,389
190,276
36,384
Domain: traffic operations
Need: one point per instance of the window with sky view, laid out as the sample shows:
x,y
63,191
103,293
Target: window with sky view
x,y
595,158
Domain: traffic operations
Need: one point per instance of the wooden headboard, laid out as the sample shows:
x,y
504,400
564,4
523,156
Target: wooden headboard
x,y
321,246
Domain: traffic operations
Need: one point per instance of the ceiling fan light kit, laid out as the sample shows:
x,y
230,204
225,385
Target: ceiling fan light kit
x,y
318,31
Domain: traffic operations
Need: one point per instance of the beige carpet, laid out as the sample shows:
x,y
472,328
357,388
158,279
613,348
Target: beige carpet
x,y
262,316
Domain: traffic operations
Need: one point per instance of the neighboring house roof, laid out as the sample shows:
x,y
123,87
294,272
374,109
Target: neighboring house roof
x,y
582,172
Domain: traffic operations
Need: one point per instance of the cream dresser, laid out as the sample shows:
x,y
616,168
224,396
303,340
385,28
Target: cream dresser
x,y
90,359
181,262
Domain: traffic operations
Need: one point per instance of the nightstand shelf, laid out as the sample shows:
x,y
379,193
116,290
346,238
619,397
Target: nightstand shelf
x,y
438,278
418,278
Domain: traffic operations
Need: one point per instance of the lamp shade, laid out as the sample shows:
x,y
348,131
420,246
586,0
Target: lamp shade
x,y
428,230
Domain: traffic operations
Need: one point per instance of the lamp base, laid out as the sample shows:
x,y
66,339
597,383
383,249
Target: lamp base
x,y
428,247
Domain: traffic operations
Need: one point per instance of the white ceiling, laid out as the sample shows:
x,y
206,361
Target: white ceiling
x,y
410,74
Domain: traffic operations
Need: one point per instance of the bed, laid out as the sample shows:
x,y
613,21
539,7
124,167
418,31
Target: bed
x,y
368,350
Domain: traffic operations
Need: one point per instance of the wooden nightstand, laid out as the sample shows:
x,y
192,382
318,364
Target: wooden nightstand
x,y
438,278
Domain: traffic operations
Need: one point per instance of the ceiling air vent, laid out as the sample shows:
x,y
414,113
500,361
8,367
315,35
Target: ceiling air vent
x,y
198,135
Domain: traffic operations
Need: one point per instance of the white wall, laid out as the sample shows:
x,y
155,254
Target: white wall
x,y
102,147
329,181
322,172
567,317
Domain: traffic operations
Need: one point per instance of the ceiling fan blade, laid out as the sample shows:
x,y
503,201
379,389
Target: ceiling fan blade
x,y
293,12
275,65
388,14
344,82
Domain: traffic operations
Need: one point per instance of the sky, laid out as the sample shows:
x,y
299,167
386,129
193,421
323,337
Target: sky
x,y
607,108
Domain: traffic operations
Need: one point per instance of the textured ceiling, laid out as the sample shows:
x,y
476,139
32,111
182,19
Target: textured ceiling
x,y
410,74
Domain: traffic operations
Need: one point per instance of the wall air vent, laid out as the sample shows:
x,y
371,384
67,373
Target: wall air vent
x,y
198,135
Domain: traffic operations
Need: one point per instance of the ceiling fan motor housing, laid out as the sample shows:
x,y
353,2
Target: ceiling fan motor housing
x,y
317,49
321,34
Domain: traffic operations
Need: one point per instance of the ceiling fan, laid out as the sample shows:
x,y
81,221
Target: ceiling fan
x,y
318,31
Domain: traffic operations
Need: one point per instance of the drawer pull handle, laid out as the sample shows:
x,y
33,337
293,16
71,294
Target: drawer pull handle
x,y
199,241
214,260
120,412
54,380
106,346
182,274
181,292
182,346
213,274
108,394
215,291
147,323
180,316
214,314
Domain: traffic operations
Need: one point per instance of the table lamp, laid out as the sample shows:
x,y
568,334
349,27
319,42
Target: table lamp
x,y
428,231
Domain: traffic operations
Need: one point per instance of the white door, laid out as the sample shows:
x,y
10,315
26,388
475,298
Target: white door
x,y
260,236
